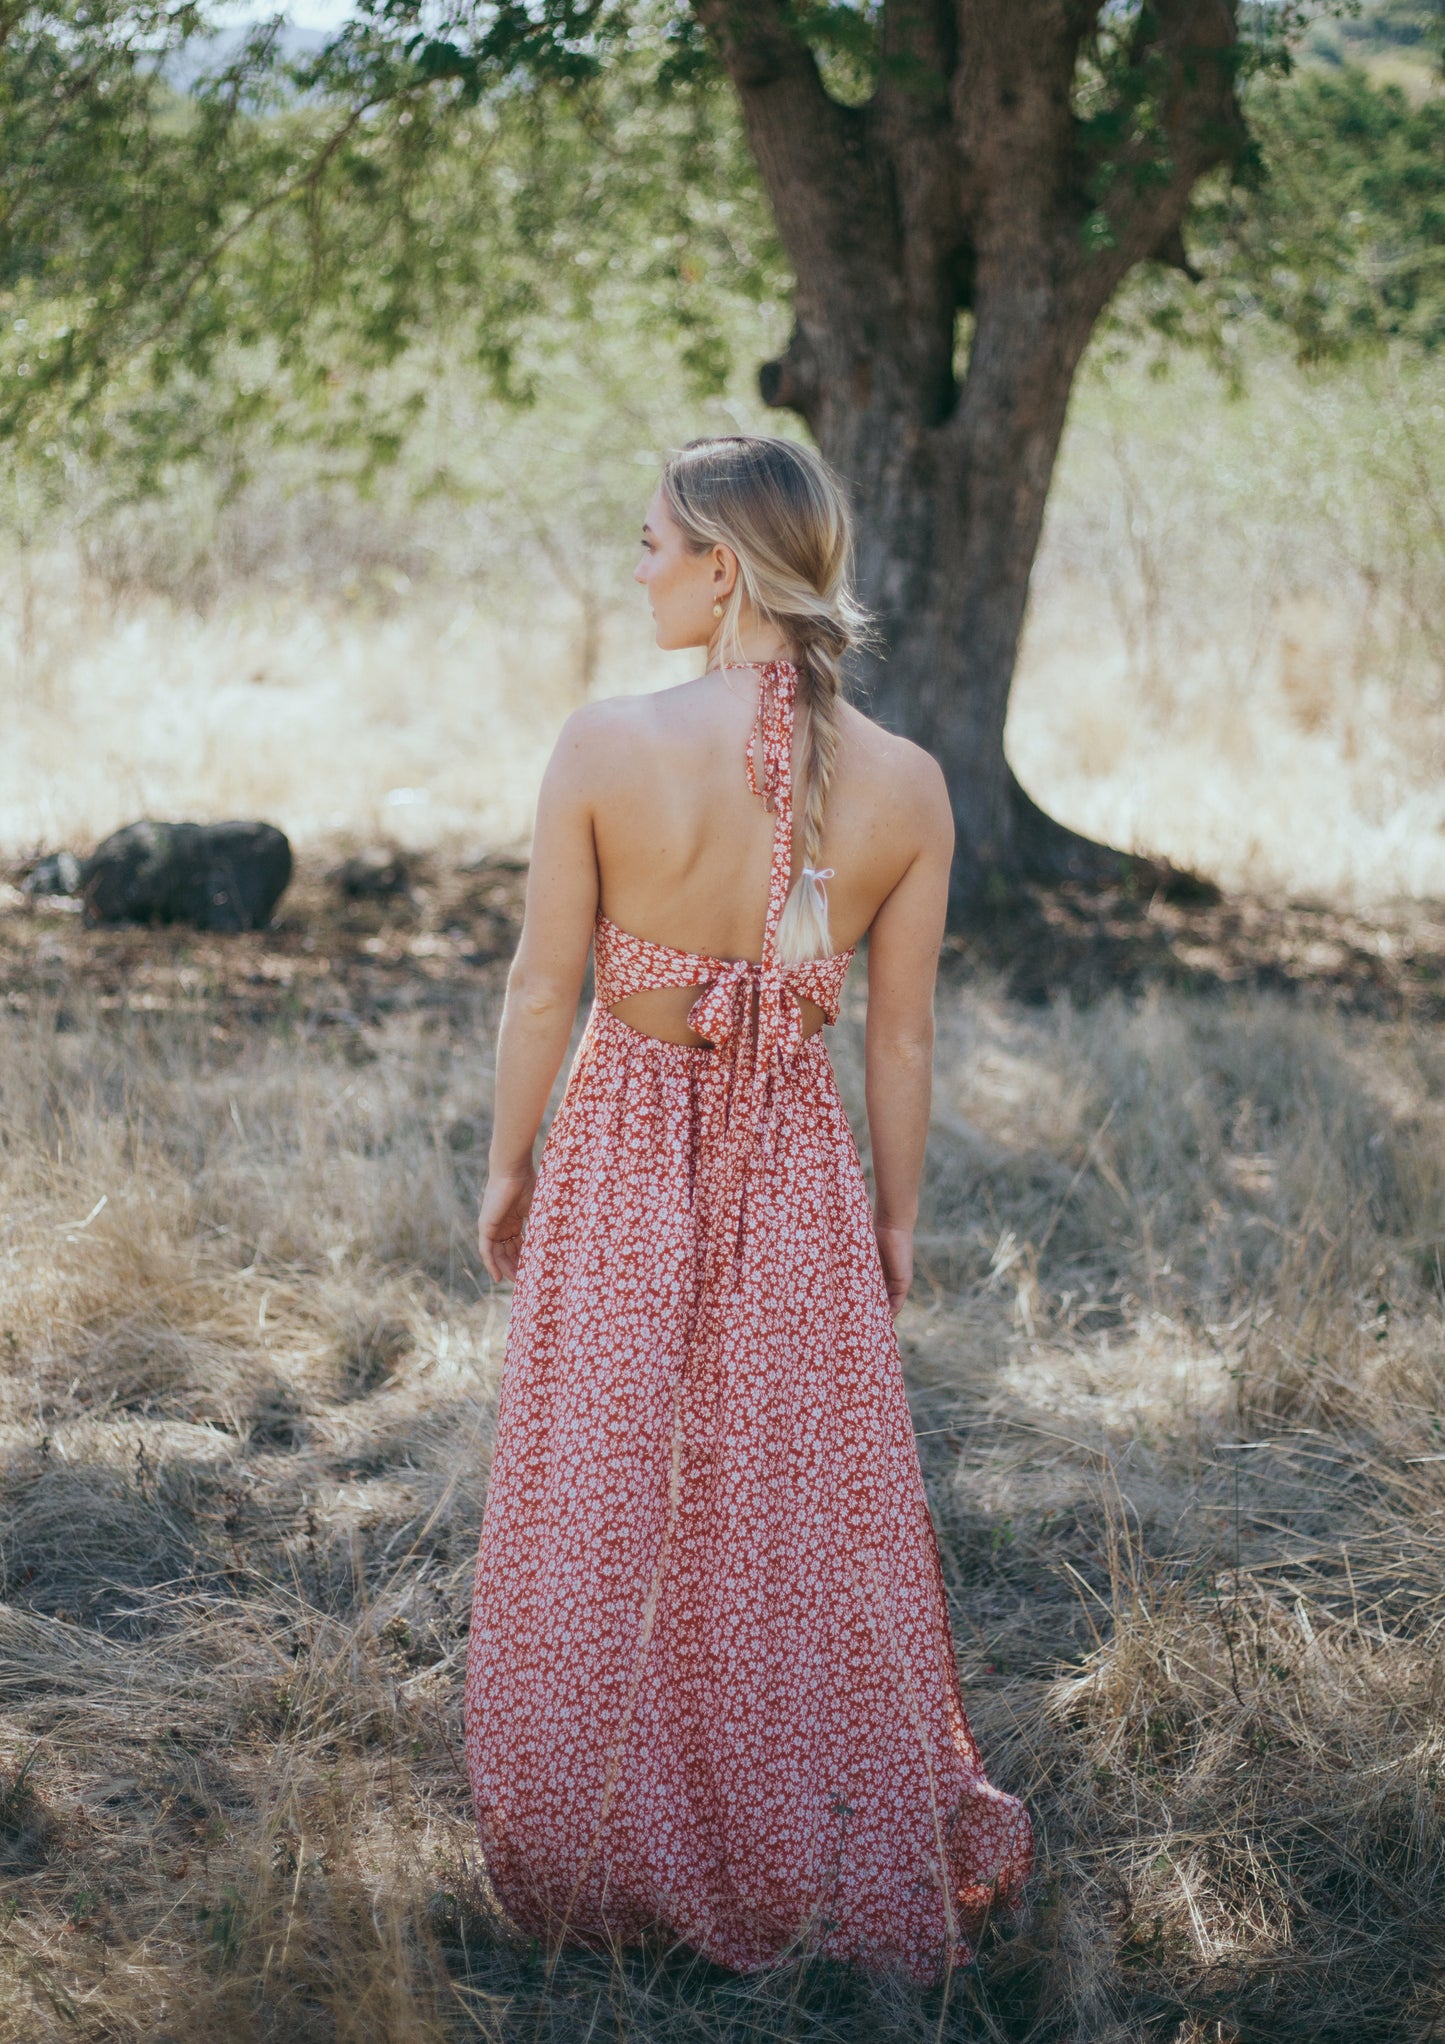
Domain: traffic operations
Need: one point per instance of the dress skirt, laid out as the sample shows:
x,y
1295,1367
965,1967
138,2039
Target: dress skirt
x,y
711,1689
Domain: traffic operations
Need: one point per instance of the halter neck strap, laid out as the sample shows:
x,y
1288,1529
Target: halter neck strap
x,y
772,736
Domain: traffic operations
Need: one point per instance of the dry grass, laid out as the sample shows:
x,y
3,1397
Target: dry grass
x,y
419,719
1234,655
245,1407
1175,1354
1178,1375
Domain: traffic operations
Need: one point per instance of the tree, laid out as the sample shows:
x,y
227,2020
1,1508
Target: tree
x,y
181,266
960,187
1013,161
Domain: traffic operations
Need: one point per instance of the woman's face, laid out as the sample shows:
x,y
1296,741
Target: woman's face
x,y
681,586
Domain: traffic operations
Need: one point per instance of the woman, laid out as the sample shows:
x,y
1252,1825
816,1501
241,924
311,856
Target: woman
x,y
711,1689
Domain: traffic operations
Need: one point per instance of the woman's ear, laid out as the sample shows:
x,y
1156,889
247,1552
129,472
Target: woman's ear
x,y
724,570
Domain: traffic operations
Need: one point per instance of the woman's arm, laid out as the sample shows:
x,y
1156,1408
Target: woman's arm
x,y
903,945
543,988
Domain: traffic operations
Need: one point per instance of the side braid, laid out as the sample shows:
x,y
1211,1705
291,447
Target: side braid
x,y
803,929
784,514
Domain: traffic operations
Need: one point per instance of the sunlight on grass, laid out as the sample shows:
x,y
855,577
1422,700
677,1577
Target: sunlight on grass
x,y
1233,658
1175,1361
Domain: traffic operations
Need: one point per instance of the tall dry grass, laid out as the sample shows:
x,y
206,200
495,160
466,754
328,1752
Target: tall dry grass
x,y
248,1378
419,718
1177,1368
1234,654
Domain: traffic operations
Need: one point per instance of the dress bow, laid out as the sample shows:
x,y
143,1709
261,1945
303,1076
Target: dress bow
x,y
723,1013
748,1013
720,1011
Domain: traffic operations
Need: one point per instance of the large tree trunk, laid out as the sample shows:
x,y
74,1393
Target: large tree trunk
x,y
947,545
965,186
949,514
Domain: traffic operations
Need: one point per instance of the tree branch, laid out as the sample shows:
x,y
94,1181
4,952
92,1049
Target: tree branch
x,y
910,126
917,59
1012,107
810,150
1193,45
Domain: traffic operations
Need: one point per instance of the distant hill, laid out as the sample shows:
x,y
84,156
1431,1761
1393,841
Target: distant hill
x,y
1394,38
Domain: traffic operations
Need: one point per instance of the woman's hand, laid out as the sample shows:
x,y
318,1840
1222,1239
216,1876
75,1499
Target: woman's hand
x,y
895,1248
499,1225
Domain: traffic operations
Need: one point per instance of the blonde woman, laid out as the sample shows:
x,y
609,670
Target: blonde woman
x,y
711,1691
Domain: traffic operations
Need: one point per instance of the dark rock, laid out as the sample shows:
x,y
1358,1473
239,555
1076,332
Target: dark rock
x,y
494,897
374,875
217,876
56,873
494,862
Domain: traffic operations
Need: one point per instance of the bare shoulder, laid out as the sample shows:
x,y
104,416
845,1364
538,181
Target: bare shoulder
x,y
899,773
623,720
608,718
598,740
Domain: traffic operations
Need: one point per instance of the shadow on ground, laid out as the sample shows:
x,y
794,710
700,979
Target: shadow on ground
x,y
1087,941
357,938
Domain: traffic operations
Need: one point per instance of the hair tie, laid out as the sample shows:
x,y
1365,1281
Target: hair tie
x,y
817,872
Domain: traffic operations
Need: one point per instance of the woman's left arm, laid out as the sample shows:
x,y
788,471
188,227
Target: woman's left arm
x,y
543,988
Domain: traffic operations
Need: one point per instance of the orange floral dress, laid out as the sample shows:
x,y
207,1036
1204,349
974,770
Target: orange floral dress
x,y
711,1691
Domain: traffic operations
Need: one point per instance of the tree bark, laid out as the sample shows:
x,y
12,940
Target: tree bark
x,y
950,581
967,185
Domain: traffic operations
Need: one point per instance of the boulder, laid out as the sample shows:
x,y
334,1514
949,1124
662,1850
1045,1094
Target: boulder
x,y
217,876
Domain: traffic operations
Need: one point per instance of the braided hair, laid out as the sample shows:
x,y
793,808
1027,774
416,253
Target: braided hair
x,y
784,514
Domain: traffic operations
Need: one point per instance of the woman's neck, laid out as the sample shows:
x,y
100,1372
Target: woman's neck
x,y
756,645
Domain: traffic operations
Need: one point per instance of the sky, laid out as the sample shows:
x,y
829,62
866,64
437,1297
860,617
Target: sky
x,y
323,14
319,13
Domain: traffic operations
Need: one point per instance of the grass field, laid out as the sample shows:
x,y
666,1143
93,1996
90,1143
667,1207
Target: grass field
x,y
1175,1353
1176,1364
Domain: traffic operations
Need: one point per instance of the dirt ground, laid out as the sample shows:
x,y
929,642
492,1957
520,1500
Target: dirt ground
x,y
428,933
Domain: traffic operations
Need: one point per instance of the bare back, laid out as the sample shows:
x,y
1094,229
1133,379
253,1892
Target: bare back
x,y
683,847
645,815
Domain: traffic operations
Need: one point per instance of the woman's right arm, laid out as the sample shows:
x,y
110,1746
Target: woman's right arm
x,y
903,946
543,986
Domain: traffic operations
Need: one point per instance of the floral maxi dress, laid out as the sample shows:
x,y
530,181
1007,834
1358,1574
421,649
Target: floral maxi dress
x,y
711,1690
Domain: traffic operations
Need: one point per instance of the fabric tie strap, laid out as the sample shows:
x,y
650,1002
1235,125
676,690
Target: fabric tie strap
x,y
723,1013
773,731
749,1015
748,1012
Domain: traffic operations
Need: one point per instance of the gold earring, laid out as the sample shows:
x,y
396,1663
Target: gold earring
x,y
717,609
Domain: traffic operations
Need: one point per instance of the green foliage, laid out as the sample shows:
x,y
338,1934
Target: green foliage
x,y
1343,241
274,245
177,271
1336,233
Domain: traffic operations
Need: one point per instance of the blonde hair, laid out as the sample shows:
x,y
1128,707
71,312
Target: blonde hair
x,y
783,512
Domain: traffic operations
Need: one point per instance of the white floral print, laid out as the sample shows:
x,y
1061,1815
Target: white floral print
x,y
711,1689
